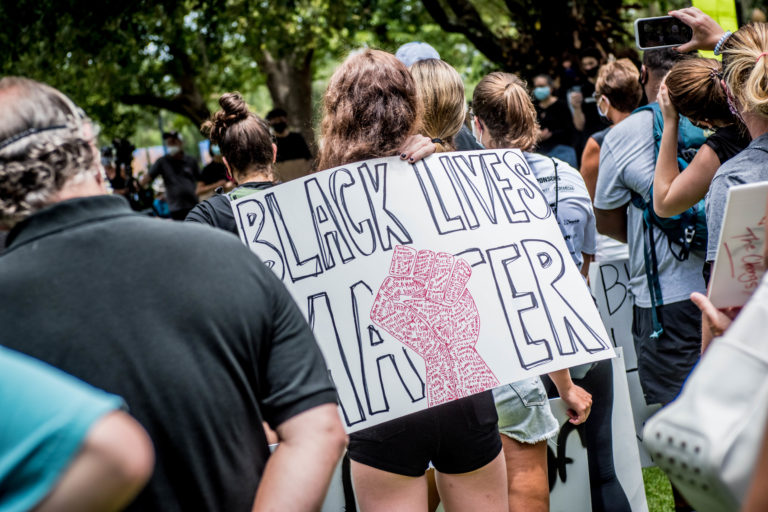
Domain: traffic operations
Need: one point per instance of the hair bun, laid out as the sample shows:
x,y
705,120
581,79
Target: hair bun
x,y
234,106
233,110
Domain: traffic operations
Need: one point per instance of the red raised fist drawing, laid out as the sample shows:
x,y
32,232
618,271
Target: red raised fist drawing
x,y
424,303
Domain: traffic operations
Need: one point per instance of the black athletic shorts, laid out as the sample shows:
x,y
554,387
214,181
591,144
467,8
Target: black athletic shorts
x,y
457,437
664,363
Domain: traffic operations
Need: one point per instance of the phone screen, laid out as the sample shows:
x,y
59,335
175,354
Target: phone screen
x,y
663,31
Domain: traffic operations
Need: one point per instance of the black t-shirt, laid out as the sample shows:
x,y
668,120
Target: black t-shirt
x,y
728,141
195,333
180,176
465,141
213,172
558,120
292,147
592,122
217,210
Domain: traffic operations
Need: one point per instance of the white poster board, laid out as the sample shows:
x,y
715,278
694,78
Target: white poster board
x,y
568,455
739,264
610,287
426,283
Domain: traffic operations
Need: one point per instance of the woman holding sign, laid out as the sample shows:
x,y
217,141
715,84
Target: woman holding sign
x,y
504,117
370,108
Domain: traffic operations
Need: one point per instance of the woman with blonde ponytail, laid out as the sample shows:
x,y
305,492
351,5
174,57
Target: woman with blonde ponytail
x,y
504,117
745,70
441,94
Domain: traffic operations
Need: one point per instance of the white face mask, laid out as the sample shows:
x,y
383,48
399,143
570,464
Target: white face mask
x,y
600,100
475,131
172,150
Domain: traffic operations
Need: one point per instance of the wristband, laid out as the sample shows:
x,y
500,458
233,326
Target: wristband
x,y
722,40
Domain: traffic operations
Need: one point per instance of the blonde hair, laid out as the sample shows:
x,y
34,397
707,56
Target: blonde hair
x,y
441,93
746,69
501,101
619,82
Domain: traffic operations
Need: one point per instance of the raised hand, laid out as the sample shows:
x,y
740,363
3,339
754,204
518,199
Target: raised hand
x,y
425,305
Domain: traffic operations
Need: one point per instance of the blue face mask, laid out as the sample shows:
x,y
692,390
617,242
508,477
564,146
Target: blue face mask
x,y
542,93
215,150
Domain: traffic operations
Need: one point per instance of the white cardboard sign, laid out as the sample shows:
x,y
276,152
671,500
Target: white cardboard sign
x,y
739,263
426,283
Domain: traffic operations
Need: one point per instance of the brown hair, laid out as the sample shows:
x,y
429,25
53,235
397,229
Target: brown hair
x,y
441,93
501,101
243,136
45,144
369,109
746,69
619,82
695,91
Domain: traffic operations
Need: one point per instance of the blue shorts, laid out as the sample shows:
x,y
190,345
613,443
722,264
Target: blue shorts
x,y
524,413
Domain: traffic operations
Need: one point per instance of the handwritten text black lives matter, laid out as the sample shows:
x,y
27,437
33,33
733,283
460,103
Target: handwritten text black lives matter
x,y
314,232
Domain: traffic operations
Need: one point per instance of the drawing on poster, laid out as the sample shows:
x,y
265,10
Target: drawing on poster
x,y
425,304
425,283
739,263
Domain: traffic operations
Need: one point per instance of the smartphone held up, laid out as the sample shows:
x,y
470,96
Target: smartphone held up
x,y
661,32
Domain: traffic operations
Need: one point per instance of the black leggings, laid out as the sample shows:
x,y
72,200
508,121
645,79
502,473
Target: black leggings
x,y
605,490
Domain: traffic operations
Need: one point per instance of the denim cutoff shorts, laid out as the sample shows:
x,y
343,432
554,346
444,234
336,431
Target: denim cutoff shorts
x,y
524,412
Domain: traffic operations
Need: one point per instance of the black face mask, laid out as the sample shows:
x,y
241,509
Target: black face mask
x,y
280,127
592,73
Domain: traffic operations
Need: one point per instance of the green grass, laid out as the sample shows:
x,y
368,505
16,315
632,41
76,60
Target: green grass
x,y
658,492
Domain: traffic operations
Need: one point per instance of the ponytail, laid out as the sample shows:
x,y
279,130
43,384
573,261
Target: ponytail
x,y
502,102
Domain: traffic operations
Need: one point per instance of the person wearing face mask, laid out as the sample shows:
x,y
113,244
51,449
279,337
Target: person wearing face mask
x,y
180,174
291,147
214,175
586,119
555,122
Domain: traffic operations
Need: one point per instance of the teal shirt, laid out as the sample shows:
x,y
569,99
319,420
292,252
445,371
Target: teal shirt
x,y
45,415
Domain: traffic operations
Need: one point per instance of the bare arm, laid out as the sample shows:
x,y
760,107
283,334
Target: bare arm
x,y
203,188
577,99
112,466
675,191
577,399
612,223
587,259
590,163
299,472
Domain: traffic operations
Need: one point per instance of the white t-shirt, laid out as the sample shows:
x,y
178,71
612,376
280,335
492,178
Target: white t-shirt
x,y
569,201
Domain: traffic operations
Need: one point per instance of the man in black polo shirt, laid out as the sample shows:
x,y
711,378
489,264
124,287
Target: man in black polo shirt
x,y
181,175
201,340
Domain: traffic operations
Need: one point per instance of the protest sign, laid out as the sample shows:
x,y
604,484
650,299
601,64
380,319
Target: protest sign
x,y
570,455
739,262
426,283
610,287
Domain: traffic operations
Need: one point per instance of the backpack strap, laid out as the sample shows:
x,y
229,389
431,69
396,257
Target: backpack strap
x,y
651,262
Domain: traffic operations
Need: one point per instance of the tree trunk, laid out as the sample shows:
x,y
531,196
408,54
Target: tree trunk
x,y
289,80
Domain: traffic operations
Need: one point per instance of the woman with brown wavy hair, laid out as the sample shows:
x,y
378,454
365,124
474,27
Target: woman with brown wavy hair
x,y
371,109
